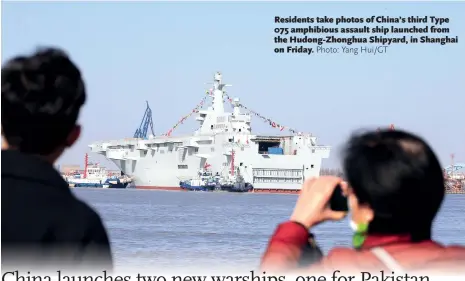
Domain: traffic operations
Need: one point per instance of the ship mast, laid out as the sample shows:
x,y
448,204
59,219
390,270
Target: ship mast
x,y
209,118
218,93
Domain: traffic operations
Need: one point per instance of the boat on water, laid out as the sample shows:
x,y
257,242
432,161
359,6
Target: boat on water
x,y
237,184
206,181
95,176
225,142
196,185
77,179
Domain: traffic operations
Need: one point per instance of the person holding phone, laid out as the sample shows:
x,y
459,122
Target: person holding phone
x,y
394,190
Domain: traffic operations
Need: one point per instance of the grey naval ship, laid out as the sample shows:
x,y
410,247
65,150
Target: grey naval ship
x,y
224,146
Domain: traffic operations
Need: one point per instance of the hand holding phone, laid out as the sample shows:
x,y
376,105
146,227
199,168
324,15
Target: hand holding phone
x,y
338,202
320,199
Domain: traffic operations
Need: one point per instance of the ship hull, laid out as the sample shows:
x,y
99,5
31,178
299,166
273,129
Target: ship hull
x,y
257,191
167,188
163,166
118,185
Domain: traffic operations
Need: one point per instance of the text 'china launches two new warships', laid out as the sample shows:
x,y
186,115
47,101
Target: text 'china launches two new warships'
x,y
223,146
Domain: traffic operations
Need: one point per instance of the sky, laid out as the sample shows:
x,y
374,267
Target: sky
x,y
165,53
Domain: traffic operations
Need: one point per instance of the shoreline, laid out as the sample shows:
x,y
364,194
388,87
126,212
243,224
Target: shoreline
x,y
265,191
255,191
456,192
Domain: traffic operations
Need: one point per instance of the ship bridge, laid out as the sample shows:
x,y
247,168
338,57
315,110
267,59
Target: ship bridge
x,y
215,120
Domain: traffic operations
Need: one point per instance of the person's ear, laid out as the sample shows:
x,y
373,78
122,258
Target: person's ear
x,y
366,213
73,136
361,213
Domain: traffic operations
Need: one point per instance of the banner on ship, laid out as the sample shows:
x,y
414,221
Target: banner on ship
x,y
250,111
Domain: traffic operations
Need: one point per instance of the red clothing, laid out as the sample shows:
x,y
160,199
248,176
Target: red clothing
x,y
287,243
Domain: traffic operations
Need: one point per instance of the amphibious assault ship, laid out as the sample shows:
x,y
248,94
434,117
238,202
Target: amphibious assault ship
x,y
223,144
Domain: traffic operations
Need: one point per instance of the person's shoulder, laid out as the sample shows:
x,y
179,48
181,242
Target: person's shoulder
x,y
342,255
87,214
456,252
350,258
456,248
439,251
89,226
78,215
451,260
73,209
344,251
340,259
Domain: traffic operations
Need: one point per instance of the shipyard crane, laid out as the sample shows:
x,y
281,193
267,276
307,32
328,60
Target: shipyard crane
x,y
147,121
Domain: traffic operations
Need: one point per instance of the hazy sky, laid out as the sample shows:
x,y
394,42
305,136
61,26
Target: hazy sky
x,y
165,52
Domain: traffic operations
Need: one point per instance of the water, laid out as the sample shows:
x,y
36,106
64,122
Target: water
x,y
230,230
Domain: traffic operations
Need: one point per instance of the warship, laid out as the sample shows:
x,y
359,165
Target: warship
x,y
224,145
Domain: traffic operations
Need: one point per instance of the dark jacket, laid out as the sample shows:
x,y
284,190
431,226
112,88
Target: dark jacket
x,y
43,223
291,245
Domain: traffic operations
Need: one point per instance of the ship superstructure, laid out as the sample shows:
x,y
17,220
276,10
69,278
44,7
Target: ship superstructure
x,y
223,144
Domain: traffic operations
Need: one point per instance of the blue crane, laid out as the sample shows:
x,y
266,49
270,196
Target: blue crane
x,y
147,121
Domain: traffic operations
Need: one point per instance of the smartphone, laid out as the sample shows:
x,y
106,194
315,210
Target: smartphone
x,y
338,202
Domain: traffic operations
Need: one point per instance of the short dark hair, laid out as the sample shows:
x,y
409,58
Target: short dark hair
x,y
42,95
400,177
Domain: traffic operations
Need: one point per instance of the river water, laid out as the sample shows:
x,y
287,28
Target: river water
x,y
207,230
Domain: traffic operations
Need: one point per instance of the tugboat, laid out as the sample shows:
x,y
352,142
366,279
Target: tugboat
x,y
237,184
117,182
204,181
96,176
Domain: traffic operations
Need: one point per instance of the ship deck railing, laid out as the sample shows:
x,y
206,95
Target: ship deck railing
x,y
163,137
320,147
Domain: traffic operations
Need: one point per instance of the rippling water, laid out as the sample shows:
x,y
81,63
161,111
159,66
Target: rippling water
x,y
198,229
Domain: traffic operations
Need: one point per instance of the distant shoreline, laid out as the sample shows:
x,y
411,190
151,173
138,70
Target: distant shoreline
x,y
456,192
459,192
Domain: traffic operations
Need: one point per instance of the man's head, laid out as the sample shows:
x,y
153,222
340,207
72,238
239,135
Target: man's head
x,y
396,183
42,95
